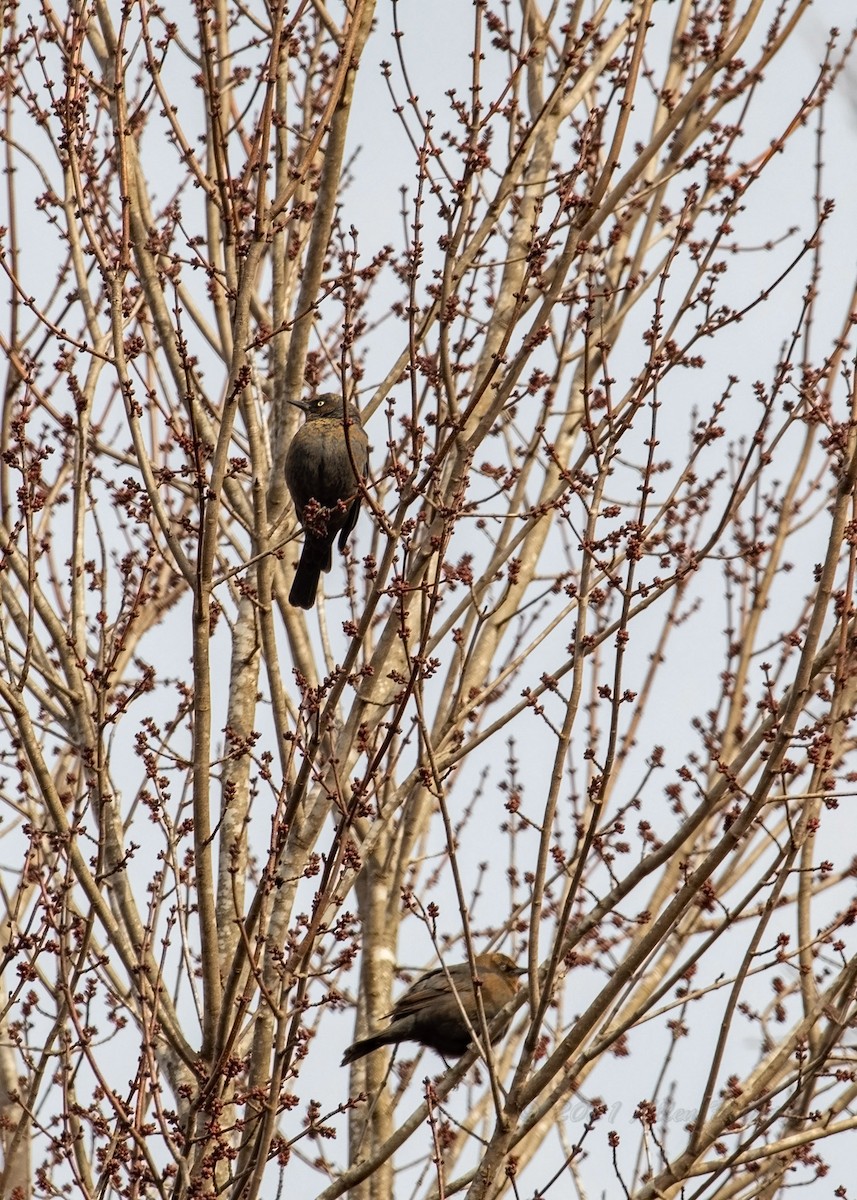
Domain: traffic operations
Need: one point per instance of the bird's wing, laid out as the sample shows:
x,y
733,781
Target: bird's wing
x,y
426,988
433,989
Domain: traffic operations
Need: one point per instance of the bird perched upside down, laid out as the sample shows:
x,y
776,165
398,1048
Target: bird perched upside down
x,y
429,1012
324,464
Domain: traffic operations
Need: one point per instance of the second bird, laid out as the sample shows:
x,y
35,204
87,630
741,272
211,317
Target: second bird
x,y
323,469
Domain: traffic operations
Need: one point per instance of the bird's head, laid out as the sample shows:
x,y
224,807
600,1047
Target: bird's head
x,y
329,404
501,963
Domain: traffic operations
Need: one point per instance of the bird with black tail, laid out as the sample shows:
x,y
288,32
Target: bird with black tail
x,y
327,457
432,1011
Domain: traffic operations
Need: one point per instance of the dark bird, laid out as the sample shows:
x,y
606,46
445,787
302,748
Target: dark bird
x,y
323,469
429,1012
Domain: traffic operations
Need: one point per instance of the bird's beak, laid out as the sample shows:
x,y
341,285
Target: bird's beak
x,y
301,404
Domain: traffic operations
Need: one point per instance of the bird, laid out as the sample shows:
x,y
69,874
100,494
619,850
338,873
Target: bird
x,y
429,1012
324,465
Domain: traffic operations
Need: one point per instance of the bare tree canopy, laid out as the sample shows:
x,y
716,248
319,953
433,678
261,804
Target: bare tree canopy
x,y
578,689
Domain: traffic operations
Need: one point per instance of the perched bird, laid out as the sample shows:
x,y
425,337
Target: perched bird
x,y
429,1012
323,469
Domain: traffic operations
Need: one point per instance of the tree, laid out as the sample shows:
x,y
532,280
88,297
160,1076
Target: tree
x,y
582,690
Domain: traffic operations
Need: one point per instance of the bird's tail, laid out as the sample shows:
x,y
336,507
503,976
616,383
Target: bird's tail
x,y
365,1046
315,558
